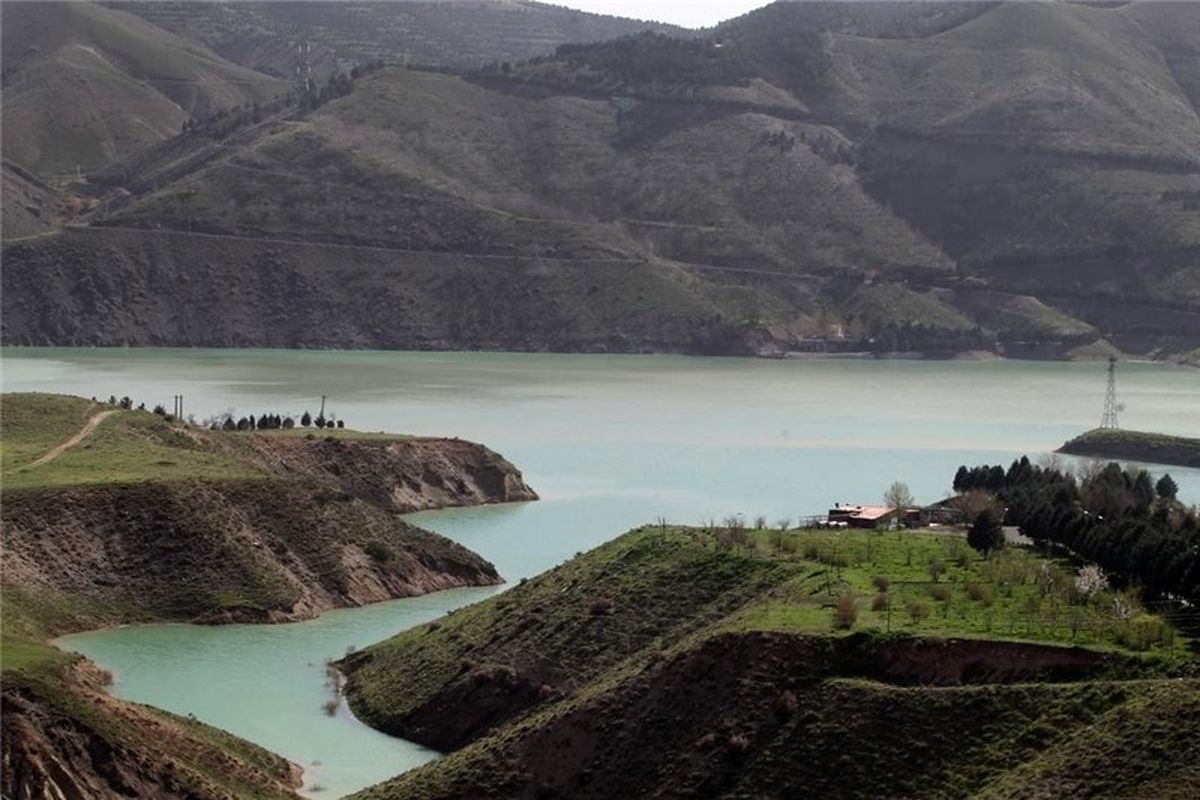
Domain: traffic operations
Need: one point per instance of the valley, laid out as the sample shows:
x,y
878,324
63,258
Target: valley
x,y
785,318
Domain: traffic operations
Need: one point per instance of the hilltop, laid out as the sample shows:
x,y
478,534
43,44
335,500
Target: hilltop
x,y
732,663
114,515
85,85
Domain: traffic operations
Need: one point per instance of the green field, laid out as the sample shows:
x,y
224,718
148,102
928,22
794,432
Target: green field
x,y
1015,593
129,446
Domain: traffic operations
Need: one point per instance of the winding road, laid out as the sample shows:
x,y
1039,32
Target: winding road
x,y
84,432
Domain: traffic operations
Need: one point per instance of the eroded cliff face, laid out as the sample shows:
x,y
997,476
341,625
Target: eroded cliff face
x,y
783,715
222,551
400,475
78,743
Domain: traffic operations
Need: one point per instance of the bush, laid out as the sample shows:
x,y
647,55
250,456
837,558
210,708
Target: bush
x,y
979,593
936,569
739,743
378,551
940,593
917,610
881,583
881,602
600,605
846,612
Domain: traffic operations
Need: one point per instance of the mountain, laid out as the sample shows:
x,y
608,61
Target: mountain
x,y
881,176
84,84
276,37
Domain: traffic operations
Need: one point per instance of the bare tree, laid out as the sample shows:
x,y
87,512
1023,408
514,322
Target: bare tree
x,y
898,496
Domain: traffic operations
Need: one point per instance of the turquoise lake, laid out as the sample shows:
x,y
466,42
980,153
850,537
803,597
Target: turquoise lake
x,y
609,442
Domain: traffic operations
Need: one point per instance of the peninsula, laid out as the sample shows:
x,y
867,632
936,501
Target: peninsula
x,y
114,515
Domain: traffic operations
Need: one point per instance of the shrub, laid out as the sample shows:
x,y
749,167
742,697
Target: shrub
x,y
881,602
979,593
936,569
600,605
941,593
846,612
378,551
917,610
738,744
881,583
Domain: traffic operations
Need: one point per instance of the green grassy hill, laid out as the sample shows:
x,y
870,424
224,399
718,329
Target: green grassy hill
x,y
85,84
726,663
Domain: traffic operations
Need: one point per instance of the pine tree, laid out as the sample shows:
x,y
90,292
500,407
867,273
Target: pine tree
x,y
986,533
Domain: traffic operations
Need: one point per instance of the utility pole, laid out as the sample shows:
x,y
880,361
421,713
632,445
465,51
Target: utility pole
x,y
322,415
1109,420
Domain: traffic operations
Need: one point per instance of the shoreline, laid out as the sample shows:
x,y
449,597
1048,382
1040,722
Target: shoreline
x,y
970,356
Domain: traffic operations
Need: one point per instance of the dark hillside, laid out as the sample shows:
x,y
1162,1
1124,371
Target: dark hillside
x,y
84,84
833,177
753,717
450,33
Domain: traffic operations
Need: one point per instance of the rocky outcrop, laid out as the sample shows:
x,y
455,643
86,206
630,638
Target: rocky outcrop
x,y
400,475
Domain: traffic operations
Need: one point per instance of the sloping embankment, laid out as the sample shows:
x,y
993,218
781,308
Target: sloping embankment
x,y
784,715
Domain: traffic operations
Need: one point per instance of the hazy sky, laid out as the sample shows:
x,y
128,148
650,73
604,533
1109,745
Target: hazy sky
x,y
689,13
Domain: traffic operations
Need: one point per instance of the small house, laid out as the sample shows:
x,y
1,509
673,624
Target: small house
x,y
860,516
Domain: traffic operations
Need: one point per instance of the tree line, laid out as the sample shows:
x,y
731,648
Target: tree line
x,y
267,422
1133,527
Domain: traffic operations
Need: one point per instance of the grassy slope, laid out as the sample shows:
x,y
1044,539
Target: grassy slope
x,y
1152,448
543,639
85,84
631,702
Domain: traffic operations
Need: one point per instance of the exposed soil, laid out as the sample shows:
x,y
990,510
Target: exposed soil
x,y
768,715
402,476
81,744
211,551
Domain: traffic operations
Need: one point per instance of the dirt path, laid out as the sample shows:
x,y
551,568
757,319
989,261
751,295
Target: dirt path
x,y
85,432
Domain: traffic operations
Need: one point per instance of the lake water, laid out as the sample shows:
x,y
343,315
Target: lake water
x,y
610,442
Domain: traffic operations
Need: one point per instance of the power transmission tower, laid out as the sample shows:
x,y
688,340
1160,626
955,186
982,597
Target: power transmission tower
x,y
1109,420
